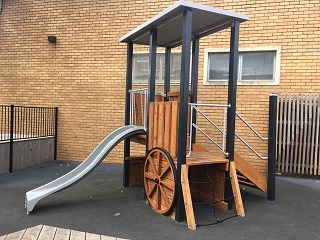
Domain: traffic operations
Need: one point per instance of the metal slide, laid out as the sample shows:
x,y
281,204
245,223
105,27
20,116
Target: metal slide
x,y
81,171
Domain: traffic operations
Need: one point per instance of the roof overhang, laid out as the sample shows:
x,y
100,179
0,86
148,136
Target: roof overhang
x,y
205,20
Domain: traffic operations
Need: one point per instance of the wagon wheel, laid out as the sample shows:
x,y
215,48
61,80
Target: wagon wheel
x,y
160,180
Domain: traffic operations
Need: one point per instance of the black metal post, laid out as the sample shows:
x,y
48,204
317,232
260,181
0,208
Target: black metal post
x,y
55,133
232,96
11,139
183,110
127,112
167,63
152,65
194,80
272,145
152,76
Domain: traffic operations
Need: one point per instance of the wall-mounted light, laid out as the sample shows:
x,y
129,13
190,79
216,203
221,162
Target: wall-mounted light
x,y
52,39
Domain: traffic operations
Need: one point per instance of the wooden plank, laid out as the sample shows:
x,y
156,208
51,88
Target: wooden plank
x,y
62,234
77,235
91,236
250,172
280,114
308,158
109,238
284,142
312,166
297,100
287,146
317,157
32,233
174,129
187,198
304,149
155,125
161,117
196,147
236,190
16,235
302,100
138,109
151,125
293,135
167,126
47,233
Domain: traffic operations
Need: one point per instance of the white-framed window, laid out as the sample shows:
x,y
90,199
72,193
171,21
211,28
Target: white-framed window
x,y
257,66
140,68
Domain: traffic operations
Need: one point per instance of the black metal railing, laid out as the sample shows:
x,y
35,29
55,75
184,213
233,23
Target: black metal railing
x,y
19,122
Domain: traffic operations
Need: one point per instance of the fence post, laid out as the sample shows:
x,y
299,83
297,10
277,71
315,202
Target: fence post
x,y
11,138
55,133
272,145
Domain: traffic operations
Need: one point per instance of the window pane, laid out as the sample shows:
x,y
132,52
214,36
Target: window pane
x,y
257,65
218,66
175,66
140,67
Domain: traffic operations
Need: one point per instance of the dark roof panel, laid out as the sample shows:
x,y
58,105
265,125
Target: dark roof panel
x,y
205,20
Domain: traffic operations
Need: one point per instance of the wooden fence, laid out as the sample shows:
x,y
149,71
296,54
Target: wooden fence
x,y
298,134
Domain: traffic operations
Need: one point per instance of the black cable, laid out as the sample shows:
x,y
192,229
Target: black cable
x,y
214,200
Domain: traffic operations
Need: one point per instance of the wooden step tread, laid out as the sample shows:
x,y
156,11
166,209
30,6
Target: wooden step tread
x,y
202,158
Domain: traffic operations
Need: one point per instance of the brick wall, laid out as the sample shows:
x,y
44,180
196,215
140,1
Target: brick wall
x,y
84,72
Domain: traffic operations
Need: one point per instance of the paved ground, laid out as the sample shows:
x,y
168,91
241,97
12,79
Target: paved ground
x,y
100,205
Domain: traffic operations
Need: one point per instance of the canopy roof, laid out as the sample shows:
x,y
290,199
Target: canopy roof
x,y
205,20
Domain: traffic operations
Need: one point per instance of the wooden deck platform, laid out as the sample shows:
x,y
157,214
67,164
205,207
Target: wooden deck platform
x,y
43,232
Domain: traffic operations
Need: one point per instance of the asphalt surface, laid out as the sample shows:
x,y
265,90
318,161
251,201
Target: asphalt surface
x,y
99,204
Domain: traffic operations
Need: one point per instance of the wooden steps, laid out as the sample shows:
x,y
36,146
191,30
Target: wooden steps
x,y
248,175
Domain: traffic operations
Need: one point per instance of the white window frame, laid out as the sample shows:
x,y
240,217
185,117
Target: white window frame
x,y
145,81
274,82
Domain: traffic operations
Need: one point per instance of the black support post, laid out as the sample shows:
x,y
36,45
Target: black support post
x,y
232,97
127,112
272,145
11,139
167,63
194,80
55,133
152,65
152,76
183,110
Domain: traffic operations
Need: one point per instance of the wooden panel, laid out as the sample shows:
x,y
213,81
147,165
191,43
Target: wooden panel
x,y
151,126
76,235
187,198
155,126
236,190
138,109
167,126
298,134
250,172
47,233
161,124
32,233
91,236
174,129
15,235
62,234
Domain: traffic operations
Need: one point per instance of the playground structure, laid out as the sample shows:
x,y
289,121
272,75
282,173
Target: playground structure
x,y
175,167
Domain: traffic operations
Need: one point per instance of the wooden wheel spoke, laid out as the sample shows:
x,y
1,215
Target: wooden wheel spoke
x,y
158,198
154,186
150,176
168,184
150,160
165,170
165,195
